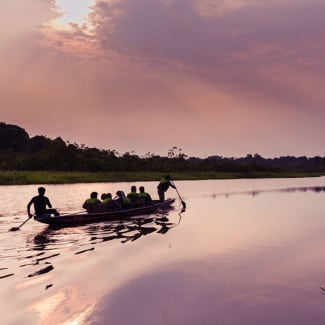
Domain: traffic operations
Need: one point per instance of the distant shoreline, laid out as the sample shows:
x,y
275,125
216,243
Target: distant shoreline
x,y
50,177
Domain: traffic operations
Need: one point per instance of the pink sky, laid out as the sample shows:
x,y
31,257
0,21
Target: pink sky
x,y
213,77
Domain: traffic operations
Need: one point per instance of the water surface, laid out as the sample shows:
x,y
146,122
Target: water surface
x,y
244,252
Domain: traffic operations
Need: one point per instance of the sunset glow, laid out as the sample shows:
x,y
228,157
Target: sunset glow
x,y
217,77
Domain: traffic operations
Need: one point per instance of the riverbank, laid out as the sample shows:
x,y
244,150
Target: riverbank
x,y
50,177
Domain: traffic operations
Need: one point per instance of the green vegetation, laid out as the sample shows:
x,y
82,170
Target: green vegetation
x,y
50,177
40,160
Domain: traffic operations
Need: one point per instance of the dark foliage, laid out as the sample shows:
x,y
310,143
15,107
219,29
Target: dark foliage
x,y
20,152
13,138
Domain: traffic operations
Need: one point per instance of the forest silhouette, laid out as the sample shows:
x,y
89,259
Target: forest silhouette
x,y
19,151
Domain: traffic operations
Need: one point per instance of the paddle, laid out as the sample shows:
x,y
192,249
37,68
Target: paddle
x,y
17,228
183,203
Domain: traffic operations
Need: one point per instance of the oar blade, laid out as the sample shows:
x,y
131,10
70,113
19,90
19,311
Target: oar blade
x,y
17,228
14,229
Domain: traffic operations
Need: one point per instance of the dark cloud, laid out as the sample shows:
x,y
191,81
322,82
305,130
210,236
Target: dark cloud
x,y
177,32
243,49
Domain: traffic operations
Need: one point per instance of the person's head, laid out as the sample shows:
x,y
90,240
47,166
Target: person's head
x,y
120,194
41,190
93,195
103,196
133,188
109,195
167,177
141,189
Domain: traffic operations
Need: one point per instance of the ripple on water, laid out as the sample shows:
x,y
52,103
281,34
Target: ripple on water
x,y
38,253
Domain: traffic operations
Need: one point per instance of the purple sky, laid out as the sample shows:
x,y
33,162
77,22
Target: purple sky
x,y
213,77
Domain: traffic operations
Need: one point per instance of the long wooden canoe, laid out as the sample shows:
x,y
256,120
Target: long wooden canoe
x,y
85,217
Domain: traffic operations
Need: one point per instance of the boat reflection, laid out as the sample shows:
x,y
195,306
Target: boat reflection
x,y
53,243
126,231
130,230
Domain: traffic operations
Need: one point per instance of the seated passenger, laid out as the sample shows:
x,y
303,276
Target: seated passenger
x,y
135,201
109,203
133,195
145,196
122,200
92,204
103,197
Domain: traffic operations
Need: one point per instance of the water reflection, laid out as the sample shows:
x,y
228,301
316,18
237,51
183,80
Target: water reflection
x,y
6,275
126,230
43,270
253,256
253,193
58,239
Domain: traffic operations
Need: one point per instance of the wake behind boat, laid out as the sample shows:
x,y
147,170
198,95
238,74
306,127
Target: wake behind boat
x,y
85,217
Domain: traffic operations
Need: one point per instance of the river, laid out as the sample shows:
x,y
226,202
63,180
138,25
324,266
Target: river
x,y
244,252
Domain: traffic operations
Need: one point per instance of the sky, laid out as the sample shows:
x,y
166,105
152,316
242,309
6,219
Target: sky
x,y
212,77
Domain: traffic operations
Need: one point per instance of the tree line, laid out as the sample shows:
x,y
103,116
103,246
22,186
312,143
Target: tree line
x,y
19,151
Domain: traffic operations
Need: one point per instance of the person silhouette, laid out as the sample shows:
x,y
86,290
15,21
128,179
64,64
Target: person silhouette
x,y
163,186
41,202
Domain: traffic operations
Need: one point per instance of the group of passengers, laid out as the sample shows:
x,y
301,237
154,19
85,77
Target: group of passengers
x,y
133,199
93,204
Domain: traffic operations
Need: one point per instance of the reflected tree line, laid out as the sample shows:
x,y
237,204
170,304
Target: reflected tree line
x,y
18,151
316,189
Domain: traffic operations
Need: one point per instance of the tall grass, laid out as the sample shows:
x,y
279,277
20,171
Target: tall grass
x,y
49,177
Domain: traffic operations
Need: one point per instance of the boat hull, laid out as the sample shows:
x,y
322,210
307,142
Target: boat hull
x,y
84,218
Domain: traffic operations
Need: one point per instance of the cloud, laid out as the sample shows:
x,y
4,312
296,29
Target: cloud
x,y
217,8
177,32
19,18
169,73
237,51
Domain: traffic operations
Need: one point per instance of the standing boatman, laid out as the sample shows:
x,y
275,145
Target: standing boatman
x,y
163,186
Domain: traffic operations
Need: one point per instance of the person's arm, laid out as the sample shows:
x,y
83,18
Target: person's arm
x,y
172,185
28,208
48,203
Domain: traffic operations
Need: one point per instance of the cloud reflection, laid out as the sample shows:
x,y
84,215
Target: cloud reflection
x,y
263,282
189,297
